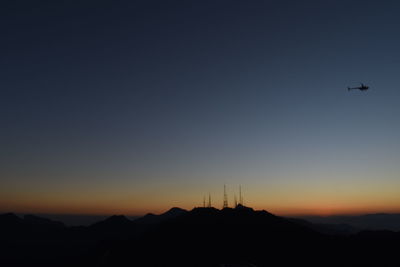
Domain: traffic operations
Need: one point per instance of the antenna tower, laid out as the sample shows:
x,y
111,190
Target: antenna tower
x,y
225,198
240,195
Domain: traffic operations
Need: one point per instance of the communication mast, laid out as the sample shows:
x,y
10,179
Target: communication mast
x,y
240,195
225,198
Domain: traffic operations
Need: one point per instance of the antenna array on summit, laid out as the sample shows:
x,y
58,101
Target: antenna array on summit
x,y
237,202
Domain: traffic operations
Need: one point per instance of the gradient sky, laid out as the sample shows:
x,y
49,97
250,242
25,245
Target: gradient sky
x,y
137,106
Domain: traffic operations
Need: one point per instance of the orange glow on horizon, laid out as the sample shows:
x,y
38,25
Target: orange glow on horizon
x,y
285,200
135,211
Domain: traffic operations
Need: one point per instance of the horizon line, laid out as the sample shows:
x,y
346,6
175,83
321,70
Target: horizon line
x,y
284,214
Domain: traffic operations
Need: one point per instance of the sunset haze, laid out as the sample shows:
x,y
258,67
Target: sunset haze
x,y
131,107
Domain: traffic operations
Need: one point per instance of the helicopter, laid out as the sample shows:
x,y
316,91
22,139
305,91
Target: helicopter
x,y
363,87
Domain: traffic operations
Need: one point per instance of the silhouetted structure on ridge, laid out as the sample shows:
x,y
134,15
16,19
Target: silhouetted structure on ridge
x,y
240,202
240,195
208,204
225,204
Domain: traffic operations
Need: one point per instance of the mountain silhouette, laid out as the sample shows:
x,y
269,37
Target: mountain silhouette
x,y
12,227
244,237
113,221
113,227
226,235
378,221
199,237
40,221
10,220
151,218
329,229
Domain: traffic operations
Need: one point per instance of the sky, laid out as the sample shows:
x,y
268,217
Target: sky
x,y
129,107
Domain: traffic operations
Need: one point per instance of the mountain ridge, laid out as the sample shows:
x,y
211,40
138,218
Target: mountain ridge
x,y
199,237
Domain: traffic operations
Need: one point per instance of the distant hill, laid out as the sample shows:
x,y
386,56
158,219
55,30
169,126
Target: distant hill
x,y
10,220
154,219
29,227
74,219
113,221
378,221
40,221
329,229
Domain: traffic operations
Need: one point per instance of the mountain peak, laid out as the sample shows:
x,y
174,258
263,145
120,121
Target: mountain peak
x,y
113,221
117,218
36,220
243,207
151,218
7,218
175,211
8,215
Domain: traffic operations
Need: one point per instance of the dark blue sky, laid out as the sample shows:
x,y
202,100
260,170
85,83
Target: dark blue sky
x,y
159,102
